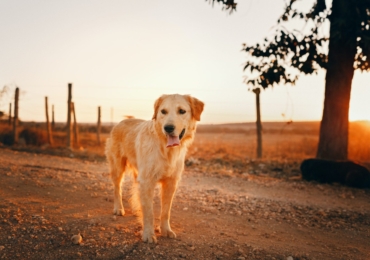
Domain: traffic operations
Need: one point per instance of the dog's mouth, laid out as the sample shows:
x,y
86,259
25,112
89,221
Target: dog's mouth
x,y
182,134
174,140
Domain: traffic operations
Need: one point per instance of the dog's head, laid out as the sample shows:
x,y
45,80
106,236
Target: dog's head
x,y
175,117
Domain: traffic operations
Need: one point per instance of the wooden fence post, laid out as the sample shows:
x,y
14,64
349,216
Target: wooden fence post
x,y
48,127
257,91
98,126
69,135
52,118
75,127
15,120
10,114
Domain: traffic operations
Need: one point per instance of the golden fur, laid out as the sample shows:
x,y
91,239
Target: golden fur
x,y
141,147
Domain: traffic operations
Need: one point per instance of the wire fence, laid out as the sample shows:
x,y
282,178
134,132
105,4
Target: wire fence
x,y
115,105
86,113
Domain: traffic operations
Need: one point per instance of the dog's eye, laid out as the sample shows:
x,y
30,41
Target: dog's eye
x,y
164,111
182,111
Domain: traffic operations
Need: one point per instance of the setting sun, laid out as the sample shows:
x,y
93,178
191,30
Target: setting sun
x,y
360,97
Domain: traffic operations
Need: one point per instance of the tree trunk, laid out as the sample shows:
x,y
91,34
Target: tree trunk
x,y
333,140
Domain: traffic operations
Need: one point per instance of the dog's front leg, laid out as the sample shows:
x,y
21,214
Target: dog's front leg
x,y
146,191
168,190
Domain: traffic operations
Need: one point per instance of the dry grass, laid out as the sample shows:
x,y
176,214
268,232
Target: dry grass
x,y
292,142
230,146
35,136
6,136
359,141
232,142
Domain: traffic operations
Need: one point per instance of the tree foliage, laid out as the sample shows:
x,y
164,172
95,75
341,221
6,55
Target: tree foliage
x,y
228,5
288,53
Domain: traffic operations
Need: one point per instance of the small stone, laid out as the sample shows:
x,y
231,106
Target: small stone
x,y
60,228
2,247
289,258
185,209
241,258
76,239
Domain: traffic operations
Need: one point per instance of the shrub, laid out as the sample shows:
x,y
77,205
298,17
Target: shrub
x,y
33,136
6,136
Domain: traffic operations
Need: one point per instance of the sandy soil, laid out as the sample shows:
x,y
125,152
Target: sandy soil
x,y
45,200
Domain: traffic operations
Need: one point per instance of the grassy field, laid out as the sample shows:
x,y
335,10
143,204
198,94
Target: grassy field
x,y
295,141
226,142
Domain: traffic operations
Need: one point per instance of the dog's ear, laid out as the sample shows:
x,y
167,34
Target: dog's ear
x,y
196,107
156,106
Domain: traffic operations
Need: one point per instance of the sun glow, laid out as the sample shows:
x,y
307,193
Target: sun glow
x,y
360,98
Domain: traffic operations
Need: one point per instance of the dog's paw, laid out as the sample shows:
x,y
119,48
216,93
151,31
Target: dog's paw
x,y
167,232
119,212
149,237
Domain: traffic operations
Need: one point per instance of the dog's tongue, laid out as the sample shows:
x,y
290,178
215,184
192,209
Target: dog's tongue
x,y
172,141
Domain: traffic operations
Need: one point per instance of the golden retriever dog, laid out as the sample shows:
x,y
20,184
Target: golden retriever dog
x,y
154,151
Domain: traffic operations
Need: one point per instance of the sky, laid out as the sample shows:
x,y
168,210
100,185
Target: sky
x,y
122,55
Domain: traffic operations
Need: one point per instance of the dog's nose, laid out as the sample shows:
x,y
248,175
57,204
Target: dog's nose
x,y
169,128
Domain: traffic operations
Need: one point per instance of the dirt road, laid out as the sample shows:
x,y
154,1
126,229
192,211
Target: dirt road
x,y
44,200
